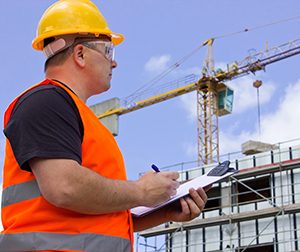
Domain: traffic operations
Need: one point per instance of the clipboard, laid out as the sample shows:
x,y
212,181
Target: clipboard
x,y
214,175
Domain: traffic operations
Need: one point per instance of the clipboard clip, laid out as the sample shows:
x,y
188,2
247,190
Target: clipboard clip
x,y
221,169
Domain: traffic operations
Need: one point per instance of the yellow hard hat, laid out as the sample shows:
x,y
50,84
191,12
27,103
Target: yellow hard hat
x,y
72,17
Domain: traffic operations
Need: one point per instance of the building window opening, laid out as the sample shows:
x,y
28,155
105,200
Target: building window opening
x,y
242,194
257,248
214,199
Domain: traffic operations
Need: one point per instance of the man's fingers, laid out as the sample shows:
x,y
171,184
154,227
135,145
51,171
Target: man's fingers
x,y
190,207
171,175
202,194
194,209
199,197
184,207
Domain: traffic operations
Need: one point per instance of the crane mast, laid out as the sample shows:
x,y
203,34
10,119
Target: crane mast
x,y
207,87
207,111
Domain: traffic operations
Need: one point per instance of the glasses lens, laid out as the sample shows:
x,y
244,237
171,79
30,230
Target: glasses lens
x,y
105,48
109,51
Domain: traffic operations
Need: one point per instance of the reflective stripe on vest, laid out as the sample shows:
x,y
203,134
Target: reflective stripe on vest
x,y
49,241
20,192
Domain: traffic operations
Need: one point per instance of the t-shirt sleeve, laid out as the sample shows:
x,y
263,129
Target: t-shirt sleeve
x,y
45,124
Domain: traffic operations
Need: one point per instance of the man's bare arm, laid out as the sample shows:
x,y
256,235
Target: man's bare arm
x,y
66,184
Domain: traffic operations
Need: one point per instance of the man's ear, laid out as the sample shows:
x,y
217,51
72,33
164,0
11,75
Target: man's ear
x,y
78,55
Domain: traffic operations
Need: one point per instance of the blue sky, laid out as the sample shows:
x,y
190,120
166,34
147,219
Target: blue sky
x,y
157,34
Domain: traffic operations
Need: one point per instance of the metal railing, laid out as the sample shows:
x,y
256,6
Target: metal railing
x,y
279,208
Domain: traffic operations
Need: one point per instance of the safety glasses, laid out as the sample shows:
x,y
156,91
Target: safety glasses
x,y
106,48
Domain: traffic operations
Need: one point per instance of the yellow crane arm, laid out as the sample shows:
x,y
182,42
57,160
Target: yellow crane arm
x,y
251,63
151,100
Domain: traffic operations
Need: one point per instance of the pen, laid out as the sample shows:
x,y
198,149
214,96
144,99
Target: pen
x,y
155,168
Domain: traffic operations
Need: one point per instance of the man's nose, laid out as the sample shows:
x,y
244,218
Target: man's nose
x,y
114,64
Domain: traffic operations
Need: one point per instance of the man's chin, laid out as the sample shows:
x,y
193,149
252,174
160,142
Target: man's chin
x,y
107,86
104,88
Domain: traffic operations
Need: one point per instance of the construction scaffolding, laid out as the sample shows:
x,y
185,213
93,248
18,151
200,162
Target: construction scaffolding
x,y
256,210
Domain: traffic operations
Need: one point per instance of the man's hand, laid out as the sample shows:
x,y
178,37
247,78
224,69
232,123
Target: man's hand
x,y
157,187
188,208
185,209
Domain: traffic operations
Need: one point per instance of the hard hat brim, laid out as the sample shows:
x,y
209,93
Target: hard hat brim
x,y
38,42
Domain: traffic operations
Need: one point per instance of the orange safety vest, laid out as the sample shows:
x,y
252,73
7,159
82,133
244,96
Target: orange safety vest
x,y
33,224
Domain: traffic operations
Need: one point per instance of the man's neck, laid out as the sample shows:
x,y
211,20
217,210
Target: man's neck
x,y
72,82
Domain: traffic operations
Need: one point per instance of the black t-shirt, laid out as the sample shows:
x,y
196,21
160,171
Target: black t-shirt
x,y
45,123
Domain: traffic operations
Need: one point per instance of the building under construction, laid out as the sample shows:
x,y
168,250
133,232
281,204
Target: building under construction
x,y
258,209
255,210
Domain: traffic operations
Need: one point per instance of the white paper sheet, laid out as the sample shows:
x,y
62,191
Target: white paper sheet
x,y
182,191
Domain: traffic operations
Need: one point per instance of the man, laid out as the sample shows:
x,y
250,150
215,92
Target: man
x,y
64,183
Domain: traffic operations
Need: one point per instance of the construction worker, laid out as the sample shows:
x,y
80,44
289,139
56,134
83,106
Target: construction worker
x,y
64,180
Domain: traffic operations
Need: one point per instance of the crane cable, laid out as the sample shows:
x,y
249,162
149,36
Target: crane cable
x,y
257,27
171,68
160,76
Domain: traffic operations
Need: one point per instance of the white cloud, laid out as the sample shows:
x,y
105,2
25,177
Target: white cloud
x,y
283,124
190,150
280,125
230,142
189,102
245,95
157,64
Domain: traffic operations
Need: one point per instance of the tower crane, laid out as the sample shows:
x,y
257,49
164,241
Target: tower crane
x,y
214,97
